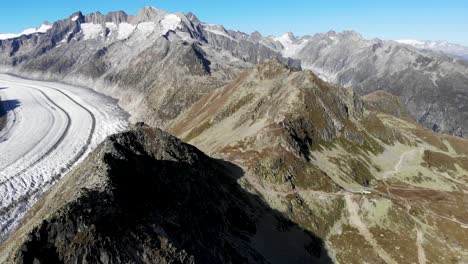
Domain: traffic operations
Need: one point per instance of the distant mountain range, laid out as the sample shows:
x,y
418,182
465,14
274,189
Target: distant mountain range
x,y
440,45
152,61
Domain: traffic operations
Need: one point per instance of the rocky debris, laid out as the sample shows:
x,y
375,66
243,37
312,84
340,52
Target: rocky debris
x,y
143,196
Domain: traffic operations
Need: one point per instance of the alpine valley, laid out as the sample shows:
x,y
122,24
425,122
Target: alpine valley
x,y
240,148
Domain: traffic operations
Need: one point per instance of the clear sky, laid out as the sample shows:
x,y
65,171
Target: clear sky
x,y
385,19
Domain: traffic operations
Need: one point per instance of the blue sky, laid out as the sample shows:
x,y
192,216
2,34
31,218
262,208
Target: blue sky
x,y
386,19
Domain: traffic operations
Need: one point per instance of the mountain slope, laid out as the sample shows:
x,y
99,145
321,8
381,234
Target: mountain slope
x,y
364,180
143,196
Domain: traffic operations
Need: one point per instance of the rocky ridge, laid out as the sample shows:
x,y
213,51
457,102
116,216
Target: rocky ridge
x,y
143,196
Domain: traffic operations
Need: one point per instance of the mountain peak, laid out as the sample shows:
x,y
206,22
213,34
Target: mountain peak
x,y
352,34
287,40
149,13
192,17
287,37
256,36
76,16
290,35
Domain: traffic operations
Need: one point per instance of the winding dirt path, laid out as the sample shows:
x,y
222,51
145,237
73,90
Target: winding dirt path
x,y
355,220
419,243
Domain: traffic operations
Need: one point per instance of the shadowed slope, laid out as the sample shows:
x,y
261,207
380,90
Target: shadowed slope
x,y
144,197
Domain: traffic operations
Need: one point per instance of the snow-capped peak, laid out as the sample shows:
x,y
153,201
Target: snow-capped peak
x,y
286,39
291,44
170,22
41,29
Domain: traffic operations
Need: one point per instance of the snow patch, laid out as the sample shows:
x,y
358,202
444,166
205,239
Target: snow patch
x,y
44,28
170,22
291,46
411,42
75,18
146,28
125,29
218,32
285,39
8,36
112,28
92,31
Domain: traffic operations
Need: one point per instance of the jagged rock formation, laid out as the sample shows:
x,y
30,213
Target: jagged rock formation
x,y
378,188
143,196
156,63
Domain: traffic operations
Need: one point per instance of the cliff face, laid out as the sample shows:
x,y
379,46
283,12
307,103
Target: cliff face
x,y
143,196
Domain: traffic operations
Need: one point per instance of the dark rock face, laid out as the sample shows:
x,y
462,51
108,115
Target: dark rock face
x,y
158,200
5,107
